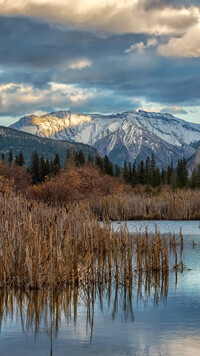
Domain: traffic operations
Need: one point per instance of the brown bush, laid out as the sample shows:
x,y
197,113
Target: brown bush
x,y
18,175
77,183
7,186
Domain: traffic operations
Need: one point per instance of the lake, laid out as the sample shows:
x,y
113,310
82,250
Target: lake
x,y
153,317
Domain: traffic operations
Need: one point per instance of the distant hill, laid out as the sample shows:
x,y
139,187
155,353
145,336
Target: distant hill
x,y
17,141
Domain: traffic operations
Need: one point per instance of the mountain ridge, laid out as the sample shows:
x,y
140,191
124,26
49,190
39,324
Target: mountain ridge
x,y
130,135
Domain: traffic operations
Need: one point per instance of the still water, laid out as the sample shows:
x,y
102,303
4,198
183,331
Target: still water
x,y
151,318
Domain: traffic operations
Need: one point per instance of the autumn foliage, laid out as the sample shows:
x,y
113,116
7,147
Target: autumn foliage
x,y
14,176
77,183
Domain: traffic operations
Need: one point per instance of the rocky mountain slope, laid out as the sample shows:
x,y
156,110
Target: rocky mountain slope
x,y
194,161
130,135
17,141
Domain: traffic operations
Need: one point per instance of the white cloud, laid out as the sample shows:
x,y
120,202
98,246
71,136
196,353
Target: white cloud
x,y
120,16
174,110
185,46
149,109
155,107
140,47
80,64
152,42
17,97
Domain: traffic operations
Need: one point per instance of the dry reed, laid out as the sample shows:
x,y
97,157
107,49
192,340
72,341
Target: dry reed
x,y
179,205
45,247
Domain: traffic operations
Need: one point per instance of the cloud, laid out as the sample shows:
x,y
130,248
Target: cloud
x,y
34,53
80,64
174,110
185,46
117,16
151,42
149,109
19,98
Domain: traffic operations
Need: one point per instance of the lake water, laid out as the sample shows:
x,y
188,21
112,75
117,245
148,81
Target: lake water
x,y
160,318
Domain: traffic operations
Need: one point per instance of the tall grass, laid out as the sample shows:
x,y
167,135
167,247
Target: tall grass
x,y
179,205
46,247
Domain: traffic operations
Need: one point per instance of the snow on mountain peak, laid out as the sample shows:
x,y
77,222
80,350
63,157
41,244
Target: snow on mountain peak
x,y
129,132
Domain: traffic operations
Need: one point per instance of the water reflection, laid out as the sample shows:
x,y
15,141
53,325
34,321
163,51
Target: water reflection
x,y
153,314
42,309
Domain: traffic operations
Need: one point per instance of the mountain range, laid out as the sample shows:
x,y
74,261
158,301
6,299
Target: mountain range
x,y
128,136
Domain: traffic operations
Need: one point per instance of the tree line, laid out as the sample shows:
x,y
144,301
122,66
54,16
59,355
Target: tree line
x,y
145,172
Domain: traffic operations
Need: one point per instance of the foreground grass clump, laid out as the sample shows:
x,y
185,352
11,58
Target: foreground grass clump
x,y
50,247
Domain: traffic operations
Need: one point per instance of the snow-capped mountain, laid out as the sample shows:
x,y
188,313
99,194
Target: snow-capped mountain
x,y
130,135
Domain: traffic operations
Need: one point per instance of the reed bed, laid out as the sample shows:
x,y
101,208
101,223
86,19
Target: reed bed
x,y
45,247
179,205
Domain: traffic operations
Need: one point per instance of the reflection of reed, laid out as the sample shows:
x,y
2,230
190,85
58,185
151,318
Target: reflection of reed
x,y
37,309
156,283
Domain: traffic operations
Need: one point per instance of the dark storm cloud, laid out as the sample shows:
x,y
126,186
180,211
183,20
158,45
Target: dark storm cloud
x,y
34,44
34,53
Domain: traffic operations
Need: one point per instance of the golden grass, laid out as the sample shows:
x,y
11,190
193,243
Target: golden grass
x,y
46,247
179,205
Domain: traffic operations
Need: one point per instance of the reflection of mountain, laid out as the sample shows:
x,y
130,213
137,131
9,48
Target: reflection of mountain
x,y
130,135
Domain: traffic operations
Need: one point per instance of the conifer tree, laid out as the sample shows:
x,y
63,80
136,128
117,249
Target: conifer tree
x,y
43,171
194,179
153,162
163,174
47,167
56,165
117,171
107,166
35,167
99,162
125,172
90,159
182,173
147,170
10,156
157,178
17,160
129,172
70,159
170,173
21,159
81,158
134,175
141,173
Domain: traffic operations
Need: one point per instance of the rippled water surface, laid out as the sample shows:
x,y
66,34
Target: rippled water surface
x,y
157,317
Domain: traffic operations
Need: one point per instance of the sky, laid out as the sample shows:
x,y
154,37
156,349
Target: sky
x,y
99,56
